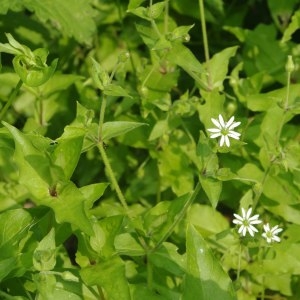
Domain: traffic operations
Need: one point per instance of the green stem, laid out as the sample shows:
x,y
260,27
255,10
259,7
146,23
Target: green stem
x,y
204,32
179,216
40,109
11,98
6,296
112,177
101,117
101,295
149,274
166,17
239,264
205,41
286,105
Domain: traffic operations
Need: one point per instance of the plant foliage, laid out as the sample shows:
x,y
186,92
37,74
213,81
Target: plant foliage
x,y
111,184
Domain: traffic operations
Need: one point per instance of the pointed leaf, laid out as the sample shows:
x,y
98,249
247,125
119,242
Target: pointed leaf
x,y
115,128
115,90
68,149
217,67
127,244
205,278
92,193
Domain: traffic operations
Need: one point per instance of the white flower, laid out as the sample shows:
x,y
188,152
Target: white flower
x,y
270,234
246,222
224,130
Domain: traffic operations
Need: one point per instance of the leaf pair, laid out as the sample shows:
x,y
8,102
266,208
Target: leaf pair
x,y
29,65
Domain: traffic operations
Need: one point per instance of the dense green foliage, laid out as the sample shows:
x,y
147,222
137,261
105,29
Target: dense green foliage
x,y
110,185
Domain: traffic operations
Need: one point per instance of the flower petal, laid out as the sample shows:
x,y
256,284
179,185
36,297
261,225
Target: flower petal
x,y
266,227
227,142
213,130
229,122
249,213
216,123
221,121
234,135
276,231
222,140
235,124
215,135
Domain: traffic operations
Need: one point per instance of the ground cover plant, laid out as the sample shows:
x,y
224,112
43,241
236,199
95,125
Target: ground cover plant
x,y
149,149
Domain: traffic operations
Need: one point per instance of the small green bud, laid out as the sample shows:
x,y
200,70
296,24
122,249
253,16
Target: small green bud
x,y
69,276
124,56
290,67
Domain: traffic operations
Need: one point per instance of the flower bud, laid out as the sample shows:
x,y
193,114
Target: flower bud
x,y
290,67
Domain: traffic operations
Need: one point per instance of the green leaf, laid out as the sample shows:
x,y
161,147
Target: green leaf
x,y
212,188
213,106
115,90
205,278
156,10
141,291
267,53
160,128
99,75
175,165
127,244
68,204
46,182
116,128
59,82
92,193
106,275
14,225
134,4
34,76
14,5
105,233
217,68
33,163
68,149
208,166
293,26
13,47
159,221
184,58
180,32
167,257
73,19
201,215
44,257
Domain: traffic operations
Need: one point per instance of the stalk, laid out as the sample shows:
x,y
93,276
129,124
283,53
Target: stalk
x,y
205,42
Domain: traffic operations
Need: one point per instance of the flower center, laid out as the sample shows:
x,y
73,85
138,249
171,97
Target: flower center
x,y
224,131
246,223
269,234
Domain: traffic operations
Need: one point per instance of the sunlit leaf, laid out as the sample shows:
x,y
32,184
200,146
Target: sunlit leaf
x,y
205,278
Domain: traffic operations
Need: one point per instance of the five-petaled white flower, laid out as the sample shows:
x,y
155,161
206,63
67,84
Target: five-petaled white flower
x,y
224,130
246,222
270,234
